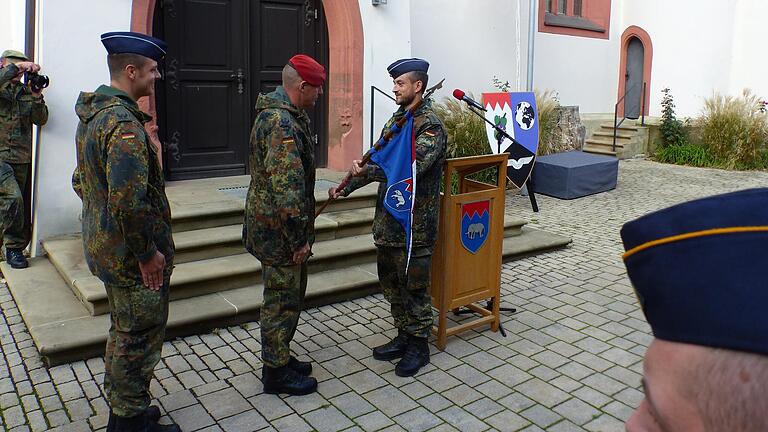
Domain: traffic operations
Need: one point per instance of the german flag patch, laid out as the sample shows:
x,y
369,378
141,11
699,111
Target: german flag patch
x,y
430,133
127,135
288,141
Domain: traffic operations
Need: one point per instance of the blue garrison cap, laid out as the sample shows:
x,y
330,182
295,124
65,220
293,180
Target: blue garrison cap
x,y
134,43
700,270
407,65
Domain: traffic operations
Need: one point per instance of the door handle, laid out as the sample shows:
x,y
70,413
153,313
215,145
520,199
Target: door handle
x,y
239,76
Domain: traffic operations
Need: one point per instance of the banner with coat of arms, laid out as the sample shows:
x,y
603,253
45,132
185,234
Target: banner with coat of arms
x,y
516,113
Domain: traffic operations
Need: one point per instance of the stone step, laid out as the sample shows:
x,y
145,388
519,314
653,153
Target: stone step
x,y
609,135
226,240
205,276
598,150
64,330
627,127
226,212
603,143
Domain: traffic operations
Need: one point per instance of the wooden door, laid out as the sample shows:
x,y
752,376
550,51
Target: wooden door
x,y
634,79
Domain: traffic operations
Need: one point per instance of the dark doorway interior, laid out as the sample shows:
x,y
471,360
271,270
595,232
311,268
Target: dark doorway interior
x,y
221,54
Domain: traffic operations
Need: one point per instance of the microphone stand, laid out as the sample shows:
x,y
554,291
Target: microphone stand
x,y
499,139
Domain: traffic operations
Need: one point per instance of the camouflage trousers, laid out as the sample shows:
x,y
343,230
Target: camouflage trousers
x,y
408,295
284,290
138,317
13,185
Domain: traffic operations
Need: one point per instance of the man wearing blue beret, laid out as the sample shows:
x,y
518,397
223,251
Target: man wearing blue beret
x,y
408,291
699,272
126,225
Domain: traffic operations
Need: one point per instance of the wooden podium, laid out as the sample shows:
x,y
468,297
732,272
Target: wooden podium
x,y
466,264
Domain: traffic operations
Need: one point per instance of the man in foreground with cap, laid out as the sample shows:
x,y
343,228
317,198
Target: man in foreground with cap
x,y
20,108
408,293
279,226
699,272
126,225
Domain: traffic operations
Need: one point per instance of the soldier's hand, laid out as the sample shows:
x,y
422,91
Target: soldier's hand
x,y
28,66
301,254
357,170
334,192
152,271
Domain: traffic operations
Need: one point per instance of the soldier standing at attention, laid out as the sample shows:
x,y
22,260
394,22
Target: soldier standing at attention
x,y
408,294
279,217
126,225
20,108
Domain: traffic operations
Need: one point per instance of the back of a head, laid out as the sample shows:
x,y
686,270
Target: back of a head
x,y
118,62
291,78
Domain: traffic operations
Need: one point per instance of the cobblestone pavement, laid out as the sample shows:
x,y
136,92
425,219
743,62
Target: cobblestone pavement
x,y
572,359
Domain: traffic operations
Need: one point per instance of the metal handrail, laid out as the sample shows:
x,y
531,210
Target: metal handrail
x,y
617,123
373,90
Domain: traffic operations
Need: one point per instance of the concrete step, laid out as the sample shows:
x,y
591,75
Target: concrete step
x,y
205,276
224,212
621,136
626,127
598,150
603,143
64,330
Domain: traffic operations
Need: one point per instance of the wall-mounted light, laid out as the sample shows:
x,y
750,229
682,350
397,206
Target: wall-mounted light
x,y
378,2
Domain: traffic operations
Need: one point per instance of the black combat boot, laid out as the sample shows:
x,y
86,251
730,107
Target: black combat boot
x,y
416,356
141,423
286,380
152,413
16,258
392,349
302,367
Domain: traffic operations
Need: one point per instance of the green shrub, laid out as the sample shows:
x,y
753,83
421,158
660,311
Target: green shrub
x,y
686,154
735,130
672,130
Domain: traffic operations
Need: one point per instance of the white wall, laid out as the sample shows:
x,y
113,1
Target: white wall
x,y
70,52
693,48
468,42
583,71
749,68
12,24
387,35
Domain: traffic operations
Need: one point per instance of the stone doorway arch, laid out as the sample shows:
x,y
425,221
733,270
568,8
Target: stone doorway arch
x,y
345,77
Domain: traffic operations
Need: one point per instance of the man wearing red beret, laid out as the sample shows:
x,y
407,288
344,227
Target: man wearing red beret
x,y
279,217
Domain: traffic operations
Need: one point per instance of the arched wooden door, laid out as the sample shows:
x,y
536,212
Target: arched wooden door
x,y
221,54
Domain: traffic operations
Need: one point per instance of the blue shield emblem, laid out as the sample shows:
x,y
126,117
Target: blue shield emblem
x,y
475,224
399,195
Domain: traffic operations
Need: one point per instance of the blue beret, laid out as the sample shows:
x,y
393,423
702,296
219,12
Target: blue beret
x,y
134,43
700,270
407,65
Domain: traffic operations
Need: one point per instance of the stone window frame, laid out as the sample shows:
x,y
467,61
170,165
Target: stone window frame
x,y
585,18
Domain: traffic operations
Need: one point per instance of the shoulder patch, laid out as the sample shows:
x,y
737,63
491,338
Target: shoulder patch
x,y
288,140
127,135
430,133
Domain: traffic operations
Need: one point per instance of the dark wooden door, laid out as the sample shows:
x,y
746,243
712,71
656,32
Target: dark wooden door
x,y
634,79
280,29
221,55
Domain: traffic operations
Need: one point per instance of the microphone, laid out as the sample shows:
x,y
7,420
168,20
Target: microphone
x,y
460,95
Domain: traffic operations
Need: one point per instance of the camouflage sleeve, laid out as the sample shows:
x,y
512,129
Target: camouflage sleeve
x,y
39,114
127,169
286,174
430,147
77,185
356,183
7,73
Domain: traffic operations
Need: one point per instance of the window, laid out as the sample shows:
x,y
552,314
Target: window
x,y
586,18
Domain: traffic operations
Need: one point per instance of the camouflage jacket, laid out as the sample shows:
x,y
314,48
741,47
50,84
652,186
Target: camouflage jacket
x,y
19,110
126,216
431,141
280,206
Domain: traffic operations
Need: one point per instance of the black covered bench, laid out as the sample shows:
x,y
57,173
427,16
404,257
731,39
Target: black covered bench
x,y
574,174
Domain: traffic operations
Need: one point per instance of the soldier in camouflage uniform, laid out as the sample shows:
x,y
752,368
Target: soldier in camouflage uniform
x,y
126,225
279,217
20,108
408,294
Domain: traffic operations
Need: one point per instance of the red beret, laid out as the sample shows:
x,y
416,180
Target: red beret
x,y
309,70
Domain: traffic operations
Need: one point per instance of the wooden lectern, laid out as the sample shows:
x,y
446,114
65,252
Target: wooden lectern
x,y
466,264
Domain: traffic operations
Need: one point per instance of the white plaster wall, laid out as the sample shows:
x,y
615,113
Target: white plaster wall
x,y
468,42
387,35
749,68
583,71
693,48
12,24
70,52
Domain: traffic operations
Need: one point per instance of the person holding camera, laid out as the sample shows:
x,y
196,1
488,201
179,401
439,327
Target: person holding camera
x,y
21,106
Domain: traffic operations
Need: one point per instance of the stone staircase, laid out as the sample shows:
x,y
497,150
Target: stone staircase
x,y
631,140
215,282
